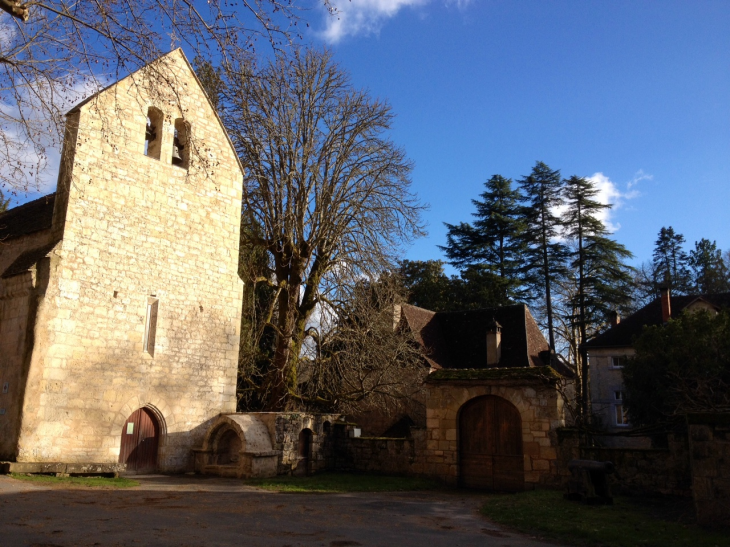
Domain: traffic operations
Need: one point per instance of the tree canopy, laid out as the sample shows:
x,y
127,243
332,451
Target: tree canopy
x,y
710,274
682,366
493,244
328,190
543,261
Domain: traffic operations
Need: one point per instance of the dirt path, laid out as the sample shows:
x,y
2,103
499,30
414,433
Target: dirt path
x,y
195,511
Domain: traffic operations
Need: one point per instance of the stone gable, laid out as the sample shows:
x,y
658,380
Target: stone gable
x,y
136,231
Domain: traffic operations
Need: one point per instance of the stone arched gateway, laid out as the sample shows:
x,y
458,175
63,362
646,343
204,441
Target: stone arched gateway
x,y
531,391
490,445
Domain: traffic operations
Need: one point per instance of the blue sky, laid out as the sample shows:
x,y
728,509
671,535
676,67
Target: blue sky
x,y
636,92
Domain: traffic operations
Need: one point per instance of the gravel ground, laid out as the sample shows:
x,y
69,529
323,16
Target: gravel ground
x,y
200,511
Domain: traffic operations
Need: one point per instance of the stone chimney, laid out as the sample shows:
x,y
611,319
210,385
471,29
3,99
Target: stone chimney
x,y
615,318
666,297
494,343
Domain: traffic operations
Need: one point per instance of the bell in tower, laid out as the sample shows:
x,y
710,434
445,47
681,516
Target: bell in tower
x,y
177,148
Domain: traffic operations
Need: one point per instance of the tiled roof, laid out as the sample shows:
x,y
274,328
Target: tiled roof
x,y
27,260
458,340
623,334
28,218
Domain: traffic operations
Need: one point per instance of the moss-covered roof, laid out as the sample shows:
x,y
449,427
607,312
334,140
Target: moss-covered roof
x,y
493,374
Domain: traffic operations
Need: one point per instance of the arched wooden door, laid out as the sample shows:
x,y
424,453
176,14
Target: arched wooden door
x,y
490,445
140,439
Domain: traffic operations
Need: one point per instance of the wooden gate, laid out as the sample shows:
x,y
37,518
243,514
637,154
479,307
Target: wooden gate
x,y
490,445
140,439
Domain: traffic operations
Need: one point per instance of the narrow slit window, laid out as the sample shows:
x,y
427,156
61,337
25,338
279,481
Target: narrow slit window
x,y
150,326
153,133
181,144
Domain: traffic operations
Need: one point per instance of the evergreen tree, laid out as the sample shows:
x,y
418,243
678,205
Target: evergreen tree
x,y
544,254
670,263
603,280
709,272
493,243
426,283
429,287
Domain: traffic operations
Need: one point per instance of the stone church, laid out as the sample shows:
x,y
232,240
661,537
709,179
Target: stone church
x,y
120,300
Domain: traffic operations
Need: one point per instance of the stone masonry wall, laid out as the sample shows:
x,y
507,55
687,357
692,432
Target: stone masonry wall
x,y
639,471
541,410
136,228
284,429
709,437
18,295
382,455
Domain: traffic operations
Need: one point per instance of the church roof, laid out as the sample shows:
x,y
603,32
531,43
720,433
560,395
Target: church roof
x,y
29,218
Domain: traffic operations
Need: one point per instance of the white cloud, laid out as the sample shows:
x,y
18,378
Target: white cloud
x,y
364,17
610,194
638,177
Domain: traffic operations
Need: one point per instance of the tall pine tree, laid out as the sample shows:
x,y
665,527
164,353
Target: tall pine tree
x,y
709,272
670,263
545,254
596,261
492,244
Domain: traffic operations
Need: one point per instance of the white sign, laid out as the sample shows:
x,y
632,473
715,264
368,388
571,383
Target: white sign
x,y
130,428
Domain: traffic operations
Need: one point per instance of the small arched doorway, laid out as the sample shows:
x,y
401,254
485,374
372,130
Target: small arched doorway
x,y
305,452
140,440
490,445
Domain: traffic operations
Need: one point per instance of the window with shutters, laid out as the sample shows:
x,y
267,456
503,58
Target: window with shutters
x,y
150,326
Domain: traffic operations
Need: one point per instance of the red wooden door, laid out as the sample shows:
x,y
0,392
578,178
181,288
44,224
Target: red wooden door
x,y
490,445
140,438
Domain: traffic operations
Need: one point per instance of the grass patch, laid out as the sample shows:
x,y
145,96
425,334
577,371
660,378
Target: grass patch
x,y
344,482
88,482
630,522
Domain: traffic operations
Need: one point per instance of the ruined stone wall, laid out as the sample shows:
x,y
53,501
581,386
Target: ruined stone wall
x,y
709,437
137,228
541,410
284,429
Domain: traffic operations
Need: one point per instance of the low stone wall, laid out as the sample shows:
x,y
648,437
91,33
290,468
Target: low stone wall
x,y
638,471
709,437
383,455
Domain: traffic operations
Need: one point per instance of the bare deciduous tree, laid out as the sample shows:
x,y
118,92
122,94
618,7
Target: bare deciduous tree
x,y
328,189
54,52
362,358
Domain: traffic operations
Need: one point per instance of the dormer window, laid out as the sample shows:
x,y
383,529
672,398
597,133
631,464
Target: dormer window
x,y
153,133
181,144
